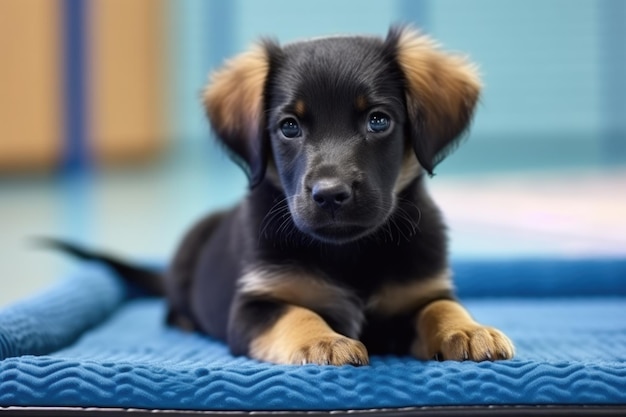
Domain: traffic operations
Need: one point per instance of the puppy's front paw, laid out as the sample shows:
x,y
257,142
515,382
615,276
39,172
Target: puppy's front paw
x,y
445,331
301,336
331,350
468,342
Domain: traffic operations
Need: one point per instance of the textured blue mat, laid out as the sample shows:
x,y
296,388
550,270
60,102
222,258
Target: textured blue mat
x,y
98,347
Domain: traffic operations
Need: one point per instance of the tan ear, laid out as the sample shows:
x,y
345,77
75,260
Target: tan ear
x,y
234,100
442,91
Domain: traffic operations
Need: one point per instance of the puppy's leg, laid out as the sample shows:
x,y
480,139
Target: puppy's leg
x,y
446,330
301,336
179,277
289,334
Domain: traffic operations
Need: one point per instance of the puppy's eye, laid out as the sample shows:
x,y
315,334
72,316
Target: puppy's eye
x,y
378,122
290,128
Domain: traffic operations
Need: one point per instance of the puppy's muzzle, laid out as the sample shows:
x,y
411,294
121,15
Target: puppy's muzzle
x,y
331,194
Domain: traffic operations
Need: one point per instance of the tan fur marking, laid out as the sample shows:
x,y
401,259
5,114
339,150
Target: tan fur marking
x,y
291,285
271,173
233,97
442,85
299,108
301,336
408,172
447,330
361,103
399,298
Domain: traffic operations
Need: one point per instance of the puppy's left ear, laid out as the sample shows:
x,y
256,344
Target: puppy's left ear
x,y
234,103
442,91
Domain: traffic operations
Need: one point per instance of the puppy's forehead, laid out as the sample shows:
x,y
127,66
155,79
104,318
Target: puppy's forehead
x,y
333,49
335,68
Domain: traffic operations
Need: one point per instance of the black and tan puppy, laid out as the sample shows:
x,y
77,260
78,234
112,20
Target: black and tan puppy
x,y
337,251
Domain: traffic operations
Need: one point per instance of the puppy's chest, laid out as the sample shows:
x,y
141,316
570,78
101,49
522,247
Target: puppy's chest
x,y
363,270
351,308
344,292
345,296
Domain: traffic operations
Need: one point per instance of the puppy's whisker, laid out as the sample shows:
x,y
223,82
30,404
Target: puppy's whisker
x,y
408,220
389,233
277,207
284,226
409,225
410,217
401,234
278,210
268,220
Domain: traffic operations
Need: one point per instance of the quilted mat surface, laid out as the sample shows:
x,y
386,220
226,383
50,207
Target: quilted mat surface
x,y
86,343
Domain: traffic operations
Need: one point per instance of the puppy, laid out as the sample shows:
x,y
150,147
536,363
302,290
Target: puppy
x,y
337,251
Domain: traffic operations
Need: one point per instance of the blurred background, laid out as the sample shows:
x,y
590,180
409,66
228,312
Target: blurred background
x,y
103,138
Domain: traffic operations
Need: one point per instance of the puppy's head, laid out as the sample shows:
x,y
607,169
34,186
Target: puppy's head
x,y
345,123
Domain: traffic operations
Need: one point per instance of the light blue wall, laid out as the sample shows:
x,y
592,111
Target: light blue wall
x,y
542,67
538,59
288,20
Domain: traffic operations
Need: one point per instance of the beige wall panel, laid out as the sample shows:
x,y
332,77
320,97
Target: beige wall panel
x,y
127,117
30,84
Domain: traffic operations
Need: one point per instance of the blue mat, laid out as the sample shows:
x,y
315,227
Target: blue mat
x,y
87,343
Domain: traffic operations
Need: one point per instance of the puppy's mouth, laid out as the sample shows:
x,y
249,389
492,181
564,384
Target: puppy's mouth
x,y
340,234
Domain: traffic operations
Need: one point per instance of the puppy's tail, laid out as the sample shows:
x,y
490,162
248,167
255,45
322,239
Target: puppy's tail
x,y
150,281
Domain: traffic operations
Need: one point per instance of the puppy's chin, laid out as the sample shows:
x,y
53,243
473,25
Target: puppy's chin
x,y
336,232
340,234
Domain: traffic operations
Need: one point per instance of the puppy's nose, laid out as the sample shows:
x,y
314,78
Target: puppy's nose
x,y
331,194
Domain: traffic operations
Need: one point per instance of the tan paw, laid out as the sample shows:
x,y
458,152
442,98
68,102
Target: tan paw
x,y
301,336
331,350
470,342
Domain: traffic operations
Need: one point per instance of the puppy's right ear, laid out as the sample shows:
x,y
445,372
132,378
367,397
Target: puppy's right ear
x,y
234,103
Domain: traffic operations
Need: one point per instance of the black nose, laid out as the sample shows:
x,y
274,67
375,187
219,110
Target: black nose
x,y
331,194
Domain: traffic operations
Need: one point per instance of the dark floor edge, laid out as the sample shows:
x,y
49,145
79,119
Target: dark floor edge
x,y
442,411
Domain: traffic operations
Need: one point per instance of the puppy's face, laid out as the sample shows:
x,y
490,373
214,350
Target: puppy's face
x,y
336,130
342,122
